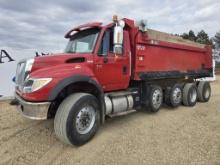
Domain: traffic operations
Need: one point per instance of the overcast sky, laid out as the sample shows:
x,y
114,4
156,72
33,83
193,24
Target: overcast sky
x,y
27,26
41,24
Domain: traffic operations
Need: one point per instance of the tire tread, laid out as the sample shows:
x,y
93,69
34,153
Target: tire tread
x,y
62,115
186,90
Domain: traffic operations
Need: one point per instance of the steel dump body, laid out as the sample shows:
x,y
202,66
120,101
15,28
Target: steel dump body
x,y
161,55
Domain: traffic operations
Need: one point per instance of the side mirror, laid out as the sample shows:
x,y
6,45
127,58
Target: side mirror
x,y
118,37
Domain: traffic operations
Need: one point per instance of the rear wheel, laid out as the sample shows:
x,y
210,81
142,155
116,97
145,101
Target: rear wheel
x,y
204,91
173,95
155,98
189,94
77,119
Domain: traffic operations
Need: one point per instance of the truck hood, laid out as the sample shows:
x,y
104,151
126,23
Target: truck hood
x,y
62,65
56,59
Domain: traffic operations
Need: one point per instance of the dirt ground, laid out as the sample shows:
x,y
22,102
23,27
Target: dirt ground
x,y
172,136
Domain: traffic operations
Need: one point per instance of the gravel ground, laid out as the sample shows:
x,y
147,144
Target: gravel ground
x,y
172,136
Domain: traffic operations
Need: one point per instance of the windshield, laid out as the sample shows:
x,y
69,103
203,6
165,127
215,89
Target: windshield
x,y
83,41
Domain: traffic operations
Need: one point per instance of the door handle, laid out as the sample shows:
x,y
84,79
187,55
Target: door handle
x,y
124,70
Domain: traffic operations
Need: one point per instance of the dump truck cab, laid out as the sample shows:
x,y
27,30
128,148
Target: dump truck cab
x,y
89,59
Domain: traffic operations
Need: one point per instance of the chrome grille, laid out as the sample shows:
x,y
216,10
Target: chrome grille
x,y
20,74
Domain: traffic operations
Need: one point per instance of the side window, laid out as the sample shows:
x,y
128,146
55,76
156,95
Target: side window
x,y
107,43
104,47
111,43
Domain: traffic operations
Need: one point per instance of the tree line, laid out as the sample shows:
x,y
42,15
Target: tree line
x,y
203,38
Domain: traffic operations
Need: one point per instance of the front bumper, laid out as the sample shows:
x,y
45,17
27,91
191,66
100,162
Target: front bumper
x,y
31,110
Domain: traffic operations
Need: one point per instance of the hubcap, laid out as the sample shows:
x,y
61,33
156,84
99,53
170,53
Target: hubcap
x,y
177,95
157,98
193,95
207,93
85,119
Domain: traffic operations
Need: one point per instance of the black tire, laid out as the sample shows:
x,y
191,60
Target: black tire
x,y
189,94
67,115
204,91
173,95
155,92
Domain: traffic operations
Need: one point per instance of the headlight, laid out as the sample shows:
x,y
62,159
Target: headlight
x,y
32,84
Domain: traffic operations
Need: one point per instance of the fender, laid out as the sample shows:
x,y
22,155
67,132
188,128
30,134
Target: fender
x,y
79,78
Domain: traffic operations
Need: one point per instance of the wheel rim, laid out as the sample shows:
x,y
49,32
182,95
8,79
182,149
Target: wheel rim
x,y
177,95
193,95
85,119
157,98
207,93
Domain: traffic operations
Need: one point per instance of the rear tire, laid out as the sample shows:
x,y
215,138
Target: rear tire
x,y
204,91
155,98
189,94
173,95
77,119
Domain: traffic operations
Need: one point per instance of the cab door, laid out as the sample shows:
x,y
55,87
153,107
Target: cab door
x,y
113,70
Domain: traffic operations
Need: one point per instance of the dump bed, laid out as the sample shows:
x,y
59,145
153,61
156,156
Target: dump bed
x,y
161,36
162,55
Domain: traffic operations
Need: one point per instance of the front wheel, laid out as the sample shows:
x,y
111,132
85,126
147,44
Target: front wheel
x,y
77,119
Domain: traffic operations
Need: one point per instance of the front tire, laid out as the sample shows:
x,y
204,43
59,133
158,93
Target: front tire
x,y
77,119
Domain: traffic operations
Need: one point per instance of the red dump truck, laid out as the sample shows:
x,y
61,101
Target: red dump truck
x,y
111,69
